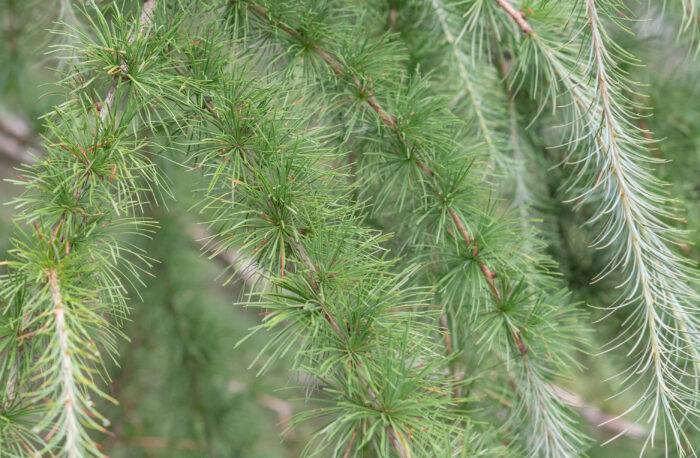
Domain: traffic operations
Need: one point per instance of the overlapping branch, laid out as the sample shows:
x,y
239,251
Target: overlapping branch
x,y
552,412
334,301
632,211
67,312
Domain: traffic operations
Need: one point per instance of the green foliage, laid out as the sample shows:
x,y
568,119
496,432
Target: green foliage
x,y
378,175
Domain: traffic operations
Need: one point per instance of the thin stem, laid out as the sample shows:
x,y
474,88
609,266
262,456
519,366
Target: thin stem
x,y
108,103
307,260
337,66
68,382
145,21
637,231
517,16
352,439
389,119
656,274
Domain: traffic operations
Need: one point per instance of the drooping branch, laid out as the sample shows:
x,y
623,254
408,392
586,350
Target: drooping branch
x,y
308,300
67,370
343,71
65,310
552,444
632,215
651,281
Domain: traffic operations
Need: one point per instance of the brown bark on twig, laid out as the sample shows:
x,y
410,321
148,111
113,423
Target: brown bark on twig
x,y
517,16
339,68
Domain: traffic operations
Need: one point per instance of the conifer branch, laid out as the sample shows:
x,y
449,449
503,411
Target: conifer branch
x,y
381,327
632,213
564,439
654,270
144,22
323,267
69,397
337,66
46,269
390,121
518,17
312,280
549,418
341,70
